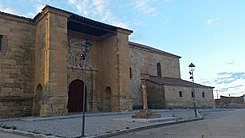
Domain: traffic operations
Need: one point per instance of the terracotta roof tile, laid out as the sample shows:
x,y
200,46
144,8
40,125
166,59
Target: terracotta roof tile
x,y
174,81
152,49
15,16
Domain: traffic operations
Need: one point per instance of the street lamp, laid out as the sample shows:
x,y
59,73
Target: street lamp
x,y
86,48
192,68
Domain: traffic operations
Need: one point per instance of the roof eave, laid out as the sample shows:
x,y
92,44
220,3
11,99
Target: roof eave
x,y
153,49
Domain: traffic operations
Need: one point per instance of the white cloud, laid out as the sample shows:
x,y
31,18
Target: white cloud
x,y
42,1
30,15
39,7
83,6
99,5
145,7
97,8
7,10
211,21
168,1
231,63
228,83
236,88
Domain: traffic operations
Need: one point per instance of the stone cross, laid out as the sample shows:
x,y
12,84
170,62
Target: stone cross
x,y
145,113
144,94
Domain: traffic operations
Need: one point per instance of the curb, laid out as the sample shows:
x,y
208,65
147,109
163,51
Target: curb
x,y
24,133
106,134
124,131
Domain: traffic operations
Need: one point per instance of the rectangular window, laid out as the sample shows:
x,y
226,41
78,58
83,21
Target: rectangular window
x,y
130,73
180,93
203,94
192,94
1,42
159,71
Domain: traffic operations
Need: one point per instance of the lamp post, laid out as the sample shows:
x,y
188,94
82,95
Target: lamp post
x,y
86,48
191,69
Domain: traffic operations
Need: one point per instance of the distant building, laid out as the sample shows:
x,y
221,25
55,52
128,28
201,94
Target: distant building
x,y
42,74
230,102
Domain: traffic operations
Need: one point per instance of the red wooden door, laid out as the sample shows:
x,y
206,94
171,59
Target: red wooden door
x,y
75,96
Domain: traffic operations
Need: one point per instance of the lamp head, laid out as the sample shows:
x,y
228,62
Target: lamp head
x,y
192,67
87,44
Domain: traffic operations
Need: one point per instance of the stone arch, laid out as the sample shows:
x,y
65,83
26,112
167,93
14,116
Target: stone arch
x,y
107,99
37,100
75,96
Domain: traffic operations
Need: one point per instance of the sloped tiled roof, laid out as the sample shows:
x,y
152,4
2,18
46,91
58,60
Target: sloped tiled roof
x,y
152,49
73,16
20,18
86,20
173,81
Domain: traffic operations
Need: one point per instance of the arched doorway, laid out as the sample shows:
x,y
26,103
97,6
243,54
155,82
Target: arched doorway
x,y
107,99
75,96
37,100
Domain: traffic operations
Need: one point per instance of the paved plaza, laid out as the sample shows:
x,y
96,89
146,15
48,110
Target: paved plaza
x,y
97,124
222,124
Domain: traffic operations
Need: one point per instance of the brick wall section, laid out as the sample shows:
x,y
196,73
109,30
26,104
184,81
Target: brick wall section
x,y
16,66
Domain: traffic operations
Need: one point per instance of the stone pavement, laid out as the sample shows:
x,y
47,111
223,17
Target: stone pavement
x,y
96,125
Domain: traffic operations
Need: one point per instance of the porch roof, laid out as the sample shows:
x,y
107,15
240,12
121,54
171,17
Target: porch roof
x,y
84,25
173,81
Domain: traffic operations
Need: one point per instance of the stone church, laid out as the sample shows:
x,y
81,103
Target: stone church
x,y
41,69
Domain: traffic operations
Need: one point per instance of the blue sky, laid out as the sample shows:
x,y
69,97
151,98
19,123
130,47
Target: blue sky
x,y
209,33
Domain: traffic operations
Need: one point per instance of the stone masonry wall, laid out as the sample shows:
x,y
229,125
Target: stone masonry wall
x,y
107,69
155,95
109,72
167,96
143,61
125,97
40,68
16,66
75,70
173,100
54,52
114,72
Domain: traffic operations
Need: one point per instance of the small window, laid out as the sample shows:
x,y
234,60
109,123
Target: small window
x,y
1,42
130,73
192,94
180,93
203,94
159,71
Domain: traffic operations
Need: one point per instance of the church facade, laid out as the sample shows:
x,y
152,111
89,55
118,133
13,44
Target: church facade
x,y
42,71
